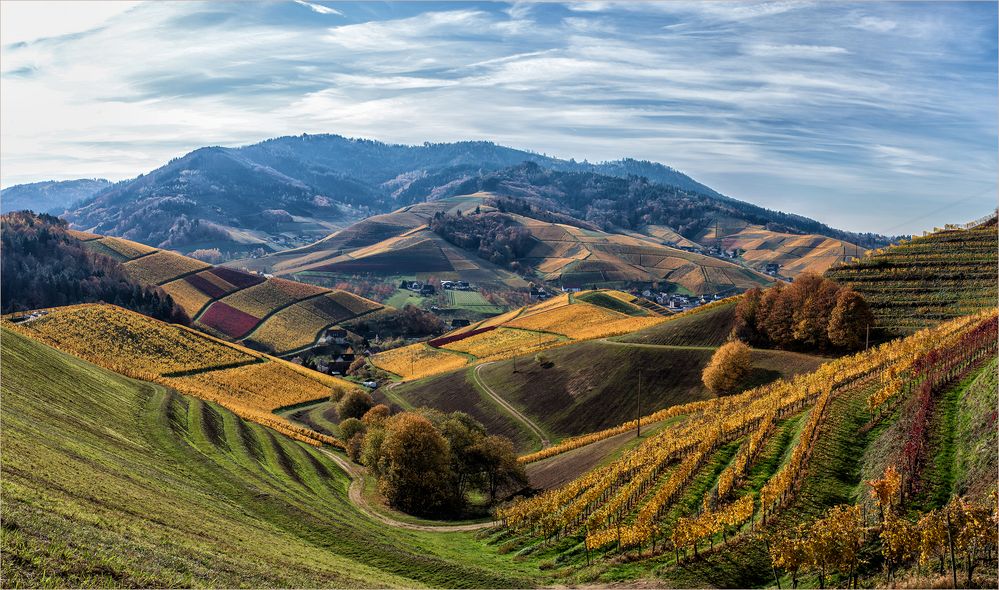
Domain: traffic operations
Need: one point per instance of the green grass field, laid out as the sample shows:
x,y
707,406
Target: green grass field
x,y
109,481
472,301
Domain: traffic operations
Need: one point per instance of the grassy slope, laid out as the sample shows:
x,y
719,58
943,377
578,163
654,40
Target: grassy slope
x,y
976,461
592,385
111,481
710,327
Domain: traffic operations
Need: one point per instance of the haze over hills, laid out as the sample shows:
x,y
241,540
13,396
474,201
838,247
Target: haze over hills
x,y
50,196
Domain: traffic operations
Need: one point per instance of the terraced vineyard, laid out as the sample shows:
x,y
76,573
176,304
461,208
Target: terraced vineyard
x,y
928,279
249,383
275,314
690,485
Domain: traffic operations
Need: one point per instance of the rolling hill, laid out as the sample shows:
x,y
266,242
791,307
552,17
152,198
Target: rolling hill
x,y
270,314
576,387
115,482
928,279
795,253
404,244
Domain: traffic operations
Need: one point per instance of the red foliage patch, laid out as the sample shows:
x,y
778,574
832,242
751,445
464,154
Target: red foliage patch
x,y
205,286
228,320
237,278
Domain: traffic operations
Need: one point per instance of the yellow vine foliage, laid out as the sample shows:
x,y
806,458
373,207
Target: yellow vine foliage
x,y
249,383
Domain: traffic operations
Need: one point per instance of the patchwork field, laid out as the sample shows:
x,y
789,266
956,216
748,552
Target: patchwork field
x,y
299,325
232,303
250,384
533,328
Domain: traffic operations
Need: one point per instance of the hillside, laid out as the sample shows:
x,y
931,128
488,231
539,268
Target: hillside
x,y
251,384
52,196
580,381
274,315
704,501
795,253
456,239
114,482
928,279
45,265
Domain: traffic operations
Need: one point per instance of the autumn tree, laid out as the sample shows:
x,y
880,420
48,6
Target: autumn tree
x,y
354,404
415,465
376,416
496,459
727,368
849,319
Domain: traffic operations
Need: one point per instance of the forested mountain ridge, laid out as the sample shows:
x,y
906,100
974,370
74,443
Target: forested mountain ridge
x,y
289,191
51,196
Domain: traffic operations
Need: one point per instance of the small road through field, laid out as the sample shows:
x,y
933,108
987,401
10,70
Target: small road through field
x,y
356,494
545,443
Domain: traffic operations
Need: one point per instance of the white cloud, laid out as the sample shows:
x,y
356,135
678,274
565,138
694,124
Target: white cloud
x,y
28,21
319,8
770,49
875,24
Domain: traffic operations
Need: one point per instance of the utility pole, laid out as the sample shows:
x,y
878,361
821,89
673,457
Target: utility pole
x,y
867,339
639,409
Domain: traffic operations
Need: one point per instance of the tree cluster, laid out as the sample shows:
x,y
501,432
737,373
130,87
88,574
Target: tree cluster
x,y
427,462
44,266
408,322
812,313
492,236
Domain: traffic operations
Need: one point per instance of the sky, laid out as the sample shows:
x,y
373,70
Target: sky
x,y
872,116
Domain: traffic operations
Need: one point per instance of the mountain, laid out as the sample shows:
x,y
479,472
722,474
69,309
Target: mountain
x,y
290,191
51,196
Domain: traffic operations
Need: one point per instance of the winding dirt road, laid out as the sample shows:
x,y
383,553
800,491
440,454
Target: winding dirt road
x,y
509,408
356,494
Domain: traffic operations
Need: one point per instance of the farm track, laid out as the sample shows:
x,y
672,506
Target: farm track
x,y
356,494
545,442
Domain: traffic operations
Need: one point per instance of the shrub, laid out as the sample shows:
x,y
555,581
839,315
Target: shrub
x,y
376,416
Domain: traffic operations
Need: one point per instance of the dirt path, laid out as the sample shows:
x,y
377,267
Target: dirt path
x,y
356,494
509,408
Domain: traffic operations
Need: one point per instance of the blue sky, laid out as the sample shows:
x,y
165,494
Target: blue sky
x,y
868,116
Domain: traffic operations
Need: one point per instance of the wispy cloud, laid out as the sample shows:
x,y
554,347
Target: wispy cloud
x,y
320,8
855,114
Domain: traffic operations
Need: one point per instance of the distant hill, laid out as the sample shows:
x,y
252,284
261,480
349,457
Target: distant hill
x,y
51,196
290,191
480,238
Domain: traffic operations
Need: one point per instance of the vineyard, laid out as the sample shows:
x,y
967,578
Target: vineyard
x,y
634,502
503,341
162,266
250,384
926,280
233,303
418,360
298,325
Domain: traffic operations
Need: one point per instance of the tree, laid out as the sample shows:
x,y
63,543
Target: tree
x,y
350,427
727,368
376,416
415,465
354,404
849,319
745,316
496,458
